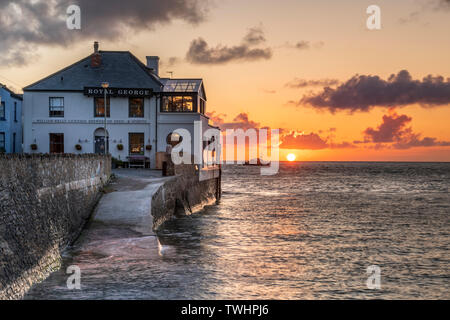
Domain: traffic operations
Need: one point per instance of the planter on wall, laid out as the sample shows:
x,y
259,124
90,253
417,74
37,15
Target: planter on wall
x,y
148,147
78,147
33,146
120,147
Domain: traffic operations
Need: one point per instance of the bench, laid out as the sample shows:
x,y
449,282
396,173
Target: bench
x,y
137,161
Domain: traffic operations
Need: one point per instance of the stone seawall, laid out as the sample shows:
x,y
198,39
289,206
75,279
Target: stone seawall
x,y
184,194
45,200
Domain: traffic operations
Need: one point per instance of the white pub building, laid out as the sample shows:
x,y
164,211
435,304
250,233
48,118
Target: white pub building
x,y
65,112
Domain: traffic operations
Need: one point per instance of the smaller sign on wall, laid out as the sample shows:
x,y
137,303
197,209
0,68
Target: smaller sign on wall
x,y
118,92
96,121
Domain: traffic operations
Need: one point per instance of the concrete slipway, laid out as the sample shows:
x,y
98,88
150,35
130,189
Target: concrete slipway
x,y
129,203
122,222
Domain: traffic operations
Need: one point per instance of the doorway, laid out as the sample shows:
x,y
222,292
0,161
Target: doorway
x,y
99,141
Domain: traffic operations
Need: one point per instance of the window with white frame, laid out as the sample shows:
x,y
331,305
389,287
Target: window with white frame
x,y
56,108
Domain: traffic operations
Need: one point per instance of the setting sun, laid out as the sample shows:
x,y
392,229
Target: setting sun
x,y
291,157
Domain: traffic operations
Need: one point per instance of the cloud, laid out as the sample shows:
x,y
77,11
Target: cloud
x,y
26,25
393,132
288,139
201,53
311,141
361,93
304,45
391,129
445,4
217,119
241,121
170,62
255,36
412,17
295,140
302,83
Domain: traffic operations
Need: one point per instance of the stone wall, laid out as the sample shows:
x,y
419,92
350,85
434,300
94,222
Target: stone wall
x,y
45,200
183,194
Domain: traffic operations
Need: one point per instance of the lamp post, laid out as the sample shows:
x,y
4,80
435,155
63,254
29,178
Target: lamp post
x,y
105,86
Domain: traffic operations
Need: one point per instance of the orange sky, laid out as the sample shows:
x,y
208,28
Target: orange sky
x,y
413,37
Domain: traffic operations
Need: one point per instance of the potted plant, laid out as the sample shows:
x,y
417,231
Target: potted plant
x,y
116,163
120,147
78,147
33,146
148,147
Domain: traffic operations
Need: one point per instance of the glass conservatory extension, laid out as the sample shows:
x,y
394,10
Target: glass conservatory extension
x,y
183,95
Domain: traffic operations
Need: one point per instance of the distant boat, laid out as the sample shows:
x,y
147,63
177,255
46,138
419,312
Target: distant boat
x,y
256,163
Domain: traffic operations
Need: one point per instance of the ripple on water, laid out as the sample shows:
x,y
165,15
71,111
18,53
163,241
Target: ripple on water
x,y
310,232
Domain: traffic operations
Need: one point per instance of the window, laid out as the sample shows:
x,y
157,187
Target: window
x,y
178,104
2,142
202,106
56,108
56,142
136,107
99,107
136,143
15,111
2,110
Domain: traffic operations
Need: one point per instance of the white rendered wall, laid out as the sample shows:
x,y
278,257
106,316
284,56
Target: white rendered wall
x,y
79,123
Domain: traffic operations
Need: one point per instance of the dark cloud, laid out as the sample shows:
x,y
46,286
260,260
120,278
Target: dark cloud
x,y
390,130
255,36
394,132
361,93
200,53
27,24
445,3
302,45
302,83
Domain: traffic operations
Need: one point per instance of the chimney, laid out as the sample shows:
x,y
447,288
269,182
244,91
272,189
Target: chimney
x,y
153,64
96,58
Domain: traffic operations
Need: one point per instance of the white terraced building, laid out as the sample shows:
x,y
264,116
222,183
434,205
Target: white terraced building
x,y
65,112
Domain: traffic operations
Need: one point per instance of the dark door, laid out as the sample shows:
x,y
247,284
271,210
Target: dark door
x,y
56,142
100,145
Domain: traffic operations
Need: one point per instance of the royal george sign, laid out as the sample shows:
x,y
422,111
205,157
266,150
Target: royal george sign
x,y
118,92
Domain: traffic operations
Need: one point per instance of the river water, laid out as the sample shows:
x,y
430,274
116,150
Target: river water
x,y
309,232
